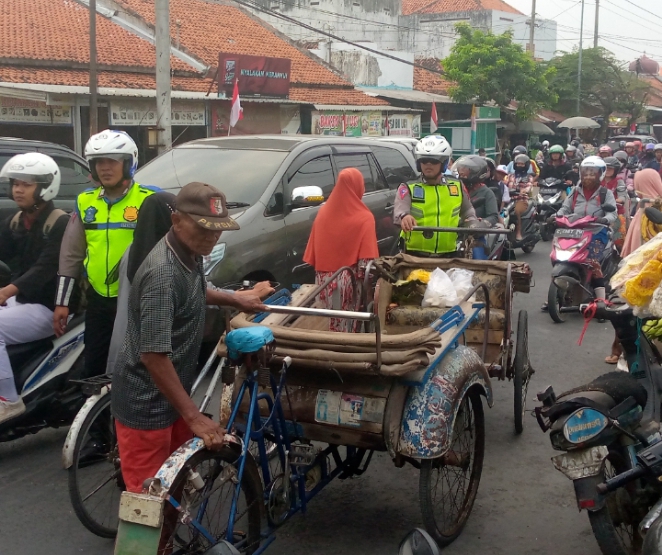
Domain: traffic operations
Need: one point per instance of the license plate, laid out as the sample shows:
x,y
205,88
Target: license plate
x,y
581,463
548,191
569,233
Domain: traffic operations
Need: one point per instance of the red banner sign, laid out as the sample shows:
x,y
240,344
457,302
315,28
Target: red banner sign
x,y
258,75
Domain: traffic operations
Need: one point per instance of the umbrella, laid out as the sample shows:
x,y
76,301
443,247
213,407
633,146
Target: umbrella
x,y
579,123
534,128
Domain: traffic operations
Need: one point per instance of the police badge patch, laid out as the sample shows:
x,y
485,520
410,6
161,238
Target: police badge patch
x,y
403,191
90,215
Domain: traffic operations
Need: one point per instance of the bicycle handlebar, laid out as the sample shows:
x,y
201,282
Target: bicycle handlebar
x,y
622,479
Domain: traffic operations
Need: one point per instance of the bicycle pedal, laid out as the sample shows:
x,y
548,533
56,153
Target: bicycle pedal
x,y
264,376
302,455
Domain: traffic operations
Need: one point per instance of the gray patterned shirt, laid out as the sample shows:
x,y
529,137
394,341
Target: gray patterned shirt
x,y
166,315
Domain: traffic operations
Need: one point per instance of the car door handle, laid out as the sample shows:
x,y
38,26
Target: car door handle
x,y
389,207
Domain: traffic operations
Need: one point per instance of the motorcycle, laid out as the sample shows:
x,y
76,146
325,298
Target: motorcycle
x,y
550,199
44,373
571,271
522,212
610,432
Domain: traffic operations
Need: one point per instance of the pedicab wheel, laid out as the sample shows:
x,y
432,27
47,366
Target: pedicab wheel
x,y
95,478
521,369
555,302
615,526
448,485
211,504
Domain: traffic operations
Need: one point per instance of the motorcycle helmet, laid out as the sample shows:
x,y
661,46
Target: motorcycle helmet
x,y
594,164
621,156
658,146
34,167
502,169
117,145
433,147
545,144
520,149
650,147
637,145
613,162
491,166
571,150
629,144
575,142
605,149
557,149
622,145
522,163
472,169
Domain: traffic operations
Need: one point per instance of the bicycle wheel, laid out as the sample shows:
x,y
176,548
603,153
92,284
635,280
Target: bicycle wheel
x,y
448,485
210,504
521,370
95,478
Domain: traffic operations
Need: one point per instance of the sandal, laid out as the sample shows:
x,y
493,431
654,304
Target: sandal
x,y
612,359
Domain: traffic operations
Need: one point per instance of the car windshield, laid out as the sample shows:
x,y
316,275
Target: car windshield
x,y
242,175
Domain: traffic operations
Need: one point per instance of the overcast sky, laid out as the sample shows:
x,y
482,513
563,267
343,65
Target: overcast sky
x,y
626,29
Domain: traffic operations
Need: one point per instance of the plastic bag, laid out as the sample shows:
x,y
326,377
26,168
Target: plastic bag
x,y
419,275
639,290
635,261
462,281
655,307
440,291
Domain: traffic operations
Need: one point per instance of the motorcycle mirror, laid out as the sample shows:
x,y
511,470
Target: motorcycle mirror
x,y
222,548
418,542
5,275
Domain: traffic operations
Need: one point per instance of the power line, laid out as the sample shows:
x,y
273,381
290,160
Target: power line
x,y
643,9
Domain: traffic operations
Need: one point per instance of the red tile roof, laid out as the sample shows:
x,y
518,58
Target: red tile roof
x,y
206,29
428,81
450,6
57,31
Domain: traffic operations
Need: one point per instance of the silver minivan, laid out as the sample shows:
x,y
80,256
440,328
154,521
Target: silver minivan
x,y
264,178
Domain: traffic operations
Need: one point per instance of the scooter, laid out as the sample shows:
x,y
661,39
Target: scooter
x,y
550,199
571,271
44,372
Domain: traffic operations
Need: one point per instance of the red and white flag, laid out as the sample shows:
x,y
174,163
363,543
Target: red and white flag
x,y
237,111
433,119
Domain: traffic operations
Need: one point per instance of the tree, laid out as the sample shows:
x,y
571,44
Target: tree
x,y
491,68
605,86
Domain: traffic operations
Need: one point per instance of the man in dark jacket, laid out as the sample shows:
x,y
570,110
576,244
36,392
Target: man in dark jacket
x,y
30,244
557,165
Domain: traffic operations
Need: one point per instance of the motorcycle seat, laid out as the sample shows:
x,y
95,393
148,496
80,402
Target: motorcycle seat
x,y
603,394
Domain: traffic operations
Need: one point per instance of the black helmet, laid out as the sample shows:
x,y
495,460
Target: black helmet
x,y
519,150
522,159
621,144
472,169
621,156
613,162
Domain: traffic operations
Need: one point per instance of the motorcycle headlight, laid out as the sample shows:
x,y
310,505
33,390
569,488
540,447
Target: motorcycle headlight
x,y
210,261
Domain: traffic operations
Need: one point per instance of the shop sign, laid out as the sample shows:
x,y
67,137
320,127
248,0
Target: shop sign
x,y
489,112
404,125
349,124
259,118
143,113
257,75
17,110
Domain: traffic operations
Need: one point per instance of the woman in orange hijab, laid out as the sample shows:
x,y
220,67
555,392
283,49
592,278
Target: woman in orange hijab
x,y
343,234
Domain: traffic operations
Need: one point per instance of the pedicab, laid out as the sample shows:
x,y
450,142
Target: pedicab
x,y
303,405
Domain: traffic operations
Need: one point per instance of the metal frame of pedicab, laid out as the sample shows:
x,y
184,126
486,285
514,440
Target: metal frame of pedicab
x,y
468,374
516,368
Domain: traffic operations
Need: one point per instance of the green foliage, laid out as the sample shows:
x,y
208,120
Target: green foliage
x,y
605,86
487,67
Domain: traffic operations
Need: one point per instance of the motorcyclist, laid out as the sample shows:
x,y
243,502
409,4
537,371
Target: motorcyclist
x,y
519,149
556,166
521,175
572,177
657,150
436,201
474,173
577,143
648,159
496,184
30,243
605,151
589,198
501,175
639,149
624,173
573,155
98,234
633,159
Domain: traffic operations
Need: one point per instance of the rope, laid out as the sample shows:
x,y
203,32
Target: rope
x,y
589,314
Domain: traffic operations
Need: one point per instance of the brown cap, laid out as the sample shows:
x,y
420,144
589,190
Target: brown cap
x,y
206,205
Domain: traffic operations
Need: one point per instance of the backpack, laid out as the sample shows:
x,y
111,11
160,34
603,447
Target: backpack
x,y
53,217
602,191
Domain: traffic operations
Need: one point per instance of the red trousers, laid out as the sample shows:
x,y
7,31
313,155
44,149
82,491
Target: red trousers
x,y
142,452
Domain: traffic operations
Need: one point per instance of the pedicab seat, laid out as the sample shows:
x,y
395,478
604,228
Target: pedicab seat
x,y
245,341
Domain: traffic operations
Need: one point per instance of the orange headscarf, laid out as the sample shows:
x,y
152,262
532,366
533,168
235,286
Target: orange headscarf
x,y
344,231
648,184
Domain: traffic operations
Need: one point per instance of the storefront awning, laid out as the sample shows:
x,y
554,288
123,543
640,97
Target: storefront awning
x,y
407,95
351,108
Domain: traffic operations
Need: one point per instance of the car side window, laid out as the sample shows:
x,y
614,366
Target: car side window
x,y
317,172
75,178
380,182
360,162
394,165
4,183
276,204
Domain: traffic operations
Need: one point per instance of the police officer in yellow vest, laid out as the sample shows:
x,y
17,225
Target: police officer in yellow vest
x,y
99,232
438,201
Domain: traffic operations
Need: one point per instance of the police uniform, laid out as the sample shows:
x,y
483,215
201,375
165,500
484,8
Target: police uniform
x,y
446,204
98,234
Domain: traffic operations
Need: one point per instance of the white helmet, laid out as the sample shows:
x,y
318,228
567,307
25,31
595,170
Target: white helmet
x,y
658,146
594,162
117,145
545,143
433,147
34,167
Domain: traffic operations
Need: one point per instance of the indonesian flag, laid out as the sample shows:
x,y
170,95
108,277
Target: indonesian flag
x,y
237,111
434,119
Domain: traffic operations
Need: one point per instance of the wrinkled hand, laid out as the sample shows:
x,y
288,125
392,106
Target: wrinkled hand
x,y
60,318
249,303
263,289
408,223
208,431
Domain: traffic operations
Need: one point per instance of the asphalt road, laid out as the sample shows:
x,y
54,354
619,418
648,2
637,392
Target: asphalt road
x,y
524,506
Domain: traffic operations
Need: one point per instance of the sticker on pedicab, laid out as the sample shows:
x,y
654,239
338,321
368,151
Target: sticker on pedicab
x,y
327,406
351,409
373,410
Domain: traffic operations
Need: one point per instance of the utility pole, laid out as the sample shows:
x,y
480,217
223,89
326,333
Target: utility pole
x,y
579,69
94,111
532,31
163,104
597,23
